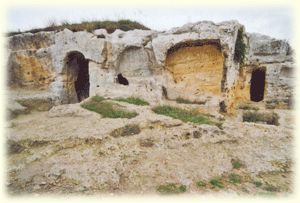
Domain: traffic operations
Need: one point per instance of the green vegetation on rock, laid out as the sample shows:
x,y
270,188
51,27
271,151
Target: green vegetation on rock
x,y
133,100
89,26
98,98
240,48
184,115
171,188
263,117
216,182
107,109
235,178
257,183
236,164
201,184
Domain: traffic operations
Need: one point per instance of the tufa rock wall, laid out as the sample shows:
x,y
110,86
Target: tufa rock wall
x,y
195,62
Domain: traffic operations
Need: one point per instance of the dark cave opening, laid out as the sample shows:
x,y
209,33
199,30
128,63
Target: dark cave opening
x,y
78,80
122,80
257,85
82,84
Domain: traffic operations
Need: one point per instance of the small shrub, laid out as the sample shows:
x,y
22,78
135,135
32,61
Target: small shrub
x,y
184,115
240,48
234,178
107,109
256,117
236,164
201,184
133,100
216,182
171,188
257,183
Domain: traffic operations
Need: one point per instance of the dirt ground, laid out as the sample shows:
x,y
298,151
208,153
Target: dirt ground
x,y
71,150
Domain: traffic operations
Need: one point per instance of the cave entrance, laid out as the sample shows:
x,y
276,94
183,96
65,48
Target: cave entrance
x,y
77,80
122,80
257,85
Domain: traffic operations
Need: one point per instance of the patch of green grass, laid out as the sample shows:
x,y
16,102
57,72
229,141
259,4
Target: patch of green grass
x,y
107,109
89,26
171,188
216,182
98,98
257,183
236,164
256,117
201,184
184,115
235,178
133,100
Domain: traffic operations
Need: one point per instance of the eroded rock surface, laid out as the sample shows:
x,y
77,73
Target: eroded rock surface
x,y
152,62
64,152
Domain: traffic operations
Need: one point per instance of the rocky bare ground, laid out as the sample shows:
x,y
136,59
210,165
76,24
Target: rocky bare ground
x,y
72,150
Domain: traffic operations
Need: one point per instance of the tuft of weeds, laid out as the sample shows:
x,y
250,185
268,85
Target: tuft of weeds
x,y
171,188
257,183
133,100
107,109
236,164
235,178
216,182
256,117
89,26
184,115
240,47
201,184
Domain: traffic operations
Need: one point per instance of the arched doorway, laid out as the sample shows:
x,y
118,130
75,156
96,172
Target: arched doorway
x,y
76,71
257,85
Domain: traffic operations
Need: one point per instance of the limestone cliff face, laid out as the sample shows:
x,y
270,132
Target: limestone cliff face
x,y
196,70
275,58
195,61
